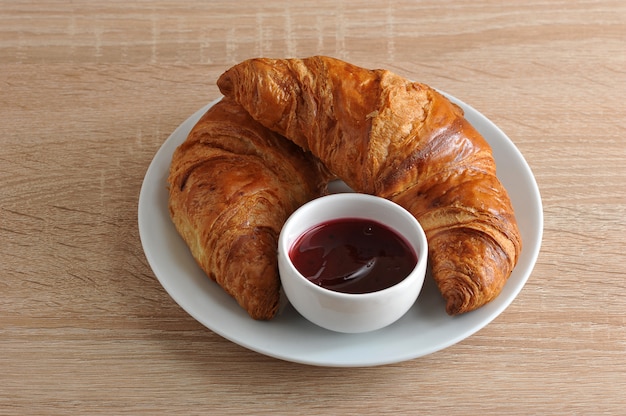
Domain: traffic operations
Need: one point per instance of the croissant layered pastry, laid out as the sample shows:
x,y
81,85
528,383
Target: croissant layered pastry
x,y
232,185
385,135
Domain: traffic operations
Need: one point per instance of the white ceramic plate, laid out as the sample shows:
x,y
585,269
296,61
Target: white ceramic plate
x,y
426,328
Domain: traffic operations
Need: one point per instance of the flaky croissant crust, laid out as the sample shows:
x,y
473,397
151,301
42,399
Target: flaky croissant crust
x,y
401,140
232,185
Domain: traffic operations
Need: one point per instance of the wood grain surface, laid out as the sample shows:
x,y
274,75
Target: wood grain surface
x,y
90,90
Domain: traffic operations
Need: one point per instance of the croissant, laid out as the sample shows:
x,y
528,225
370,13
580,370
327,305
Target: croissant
x,y
385,135
232,185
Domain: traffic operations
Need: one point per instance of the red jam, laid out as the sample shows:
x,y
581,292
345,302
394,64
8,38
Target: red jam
x,y
353,255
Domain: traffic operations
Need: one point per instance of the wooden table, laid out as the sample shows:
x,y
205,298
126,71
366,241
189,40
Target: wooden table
x,y
90,90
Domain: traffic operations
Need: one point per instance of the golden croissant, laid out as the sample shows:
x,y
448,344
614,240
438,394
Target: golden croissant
x,y
385,135
232,185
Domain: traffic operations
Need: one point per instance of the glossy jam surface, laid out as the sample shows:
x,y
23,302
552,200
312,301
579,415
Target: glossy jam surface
x,y
353,256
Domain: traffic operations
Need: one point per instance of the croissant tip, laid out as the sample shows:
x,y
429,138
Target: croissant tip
x,y
457,302
266,313
452,309
225,83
